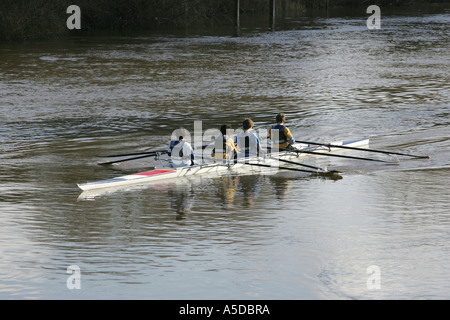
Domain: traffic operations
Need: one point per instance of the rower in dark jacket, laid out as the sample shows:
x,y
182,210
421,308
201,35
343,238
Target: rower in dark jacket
x,y
284,139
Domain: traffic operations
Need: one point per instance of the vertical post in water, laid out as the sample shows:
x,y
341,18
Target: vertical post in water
x,y
237,22
272,13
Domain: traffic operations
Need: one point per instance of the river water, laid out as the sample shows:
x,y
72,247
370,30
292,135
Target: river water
x,y
381,232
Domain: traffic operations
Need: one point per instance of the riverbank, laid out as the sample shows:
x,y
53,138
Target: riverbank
x,y
40,19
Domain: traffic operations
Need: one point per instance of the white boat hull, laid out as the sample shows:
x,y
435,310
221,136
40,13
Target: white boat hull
x,y
167,173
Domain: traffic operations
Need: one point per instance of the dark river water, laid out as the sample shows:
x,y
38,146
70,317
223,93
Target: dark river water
x,y
241,237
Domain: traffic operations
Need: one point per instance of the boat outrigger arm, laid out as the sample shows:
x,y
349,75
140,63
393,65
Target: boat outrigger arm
x,y
252,165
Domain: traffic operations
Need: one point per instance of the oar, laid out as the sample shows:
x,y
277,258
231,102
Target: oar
x,y
140,156
140,153
294,162
135,154
364,149
128,159
326,173
299,164
340,156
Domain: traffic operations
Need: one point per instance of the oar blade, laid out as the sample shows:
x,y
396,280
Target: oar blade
x,y
334,175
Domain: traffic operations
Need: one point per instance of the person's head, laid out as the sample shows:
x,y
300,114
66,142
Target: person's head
x,y
280,118
247,124
224,128
180,134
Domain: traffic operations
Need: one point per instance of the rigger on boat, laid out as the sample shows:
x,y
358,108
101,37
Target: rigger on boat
x,y
241,153
267,161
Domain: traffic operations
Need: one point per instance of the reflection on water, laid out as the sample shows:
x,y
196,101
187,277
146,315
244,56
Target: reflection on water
x,y
181,200
228,192
260,236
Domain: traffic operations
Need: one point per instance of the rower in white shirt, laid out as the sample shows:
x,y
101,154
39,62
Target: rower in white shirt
x,y
248,143
179,150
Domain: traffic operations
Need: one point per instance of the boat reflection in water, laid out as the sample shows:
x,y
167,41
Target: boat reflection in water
x,y
181,198
218,193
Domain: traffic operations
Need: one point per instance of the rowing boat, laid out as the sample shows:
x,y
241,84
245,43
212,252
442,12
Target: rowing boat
x,y
253,165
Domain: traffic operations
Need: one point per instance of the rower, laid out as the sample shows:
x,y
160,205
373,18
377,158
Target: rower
x,y
284,140
179,150
224,147
248,143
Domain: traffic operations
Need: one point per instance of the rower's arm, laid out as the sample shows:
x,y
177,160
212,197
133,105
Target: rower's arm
x,y
288,135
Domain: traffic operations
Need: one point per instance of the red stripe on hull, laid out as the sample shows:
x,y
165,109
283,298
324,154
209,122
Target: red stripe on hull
x,y
153,172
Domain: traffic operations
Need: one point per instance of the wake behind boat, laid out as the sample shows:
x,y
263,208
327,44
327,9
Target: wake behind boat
x,y
269,163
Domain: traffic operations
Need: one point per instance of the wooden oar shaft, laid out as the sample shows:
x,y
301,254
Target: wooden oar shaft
x,y
328,145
